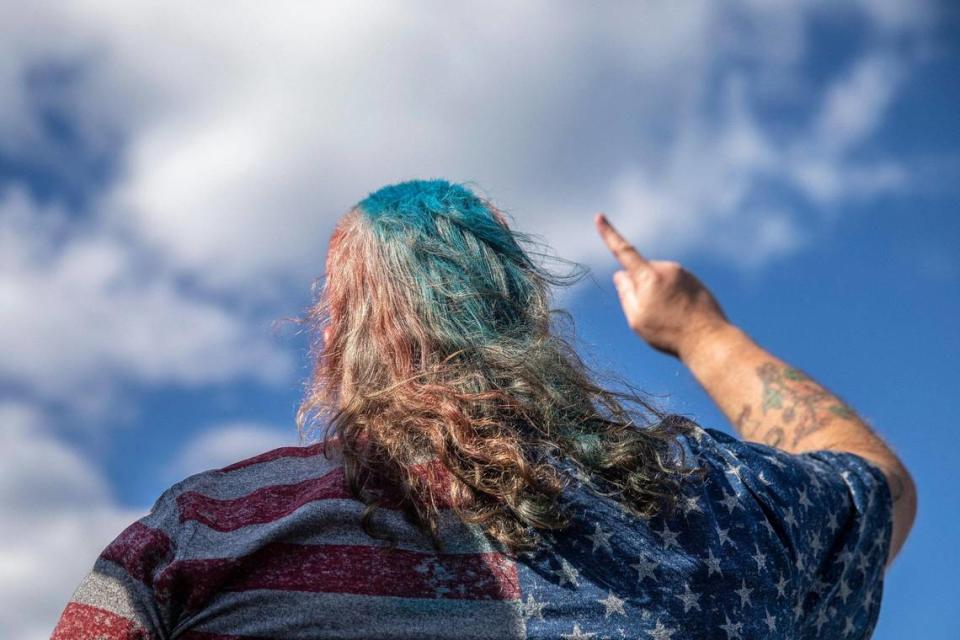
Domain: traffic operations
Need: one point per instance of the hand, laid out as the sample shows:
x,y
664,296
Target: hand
x,y
664,304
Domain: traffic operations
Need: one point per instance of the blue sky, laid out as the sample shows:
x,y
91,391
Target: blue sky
x,y
168,180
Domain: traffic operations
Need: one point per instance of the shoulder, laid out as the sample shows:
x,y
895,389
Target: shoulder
x,y
164,560
267,486
282,465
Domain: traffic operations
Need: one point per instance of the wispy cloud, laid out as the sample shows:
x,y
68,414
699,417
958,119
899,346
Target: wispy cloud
x,y
83,311
245,137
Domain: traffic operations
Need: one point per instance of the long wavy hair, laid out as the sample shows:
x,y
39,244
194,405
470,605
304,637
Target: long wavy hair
x,y
446,378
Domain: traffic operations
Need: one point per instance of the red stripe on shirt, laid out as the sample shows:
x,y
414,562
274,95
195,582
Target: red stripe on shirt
x,y
86,621
139,549
262,505
354,569
272,502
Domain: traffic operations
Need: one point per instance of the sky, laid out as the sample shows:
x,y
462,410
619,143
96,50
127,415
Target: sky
x,y
170,174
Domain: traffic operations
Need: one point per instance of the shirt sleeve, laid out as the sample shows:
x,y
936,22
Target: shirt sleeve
x,y
833,512
117,599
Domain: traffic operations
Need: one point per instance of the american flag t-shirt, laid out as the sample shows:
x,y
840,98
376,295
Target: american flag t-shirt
x,y
769,545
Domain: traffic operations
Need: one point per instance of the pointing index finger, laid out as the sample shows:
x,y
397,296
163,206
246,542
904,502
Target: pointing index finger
x,y
625,252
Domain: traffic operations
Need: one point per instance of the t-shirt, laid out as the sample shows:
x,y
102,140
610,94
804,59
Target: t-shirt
x,y
767,545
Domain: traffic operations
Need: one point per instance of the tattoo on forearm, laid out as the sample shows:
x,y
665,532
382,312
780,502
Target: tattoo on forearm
x,y
804,407
753,428
793,406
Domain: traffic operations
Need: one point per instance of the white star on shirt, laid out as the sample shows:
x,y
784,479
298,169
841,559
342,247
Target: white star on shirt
x,y
845,590
821,620
790,518
801,562
732,630
713,563
879,539
771,621
744,594
782,587
735,471
798,610
804,500
844,557
645,569
577,634
815,543
730,501
832,523
849,628
760,558
691,504
814,479
668,537
660,632
600,539
567,573
689,598
864,565
532,608
724,537
613,604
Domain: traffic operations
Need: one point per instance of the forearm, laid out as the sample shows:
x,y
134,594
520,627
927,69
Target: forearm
x,y
766,399
771,402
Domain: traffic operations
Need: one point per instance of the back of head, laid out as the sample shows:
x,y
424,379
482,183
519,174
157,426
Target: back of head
x,y
440,347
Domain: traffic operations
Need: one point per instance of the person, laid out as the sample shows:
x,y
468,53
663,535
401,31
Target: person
x,y
475,479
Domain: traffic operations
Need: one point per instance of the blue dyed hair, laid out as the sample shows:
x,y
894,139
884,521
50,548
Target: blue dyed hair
x,y
472,278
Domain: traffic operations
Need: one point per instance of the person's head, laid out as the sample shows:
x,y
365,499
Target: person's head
x,y
438,343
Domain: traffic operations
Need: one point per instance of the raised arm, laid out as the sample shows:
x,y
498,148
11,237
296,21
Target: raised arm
x,y
766,399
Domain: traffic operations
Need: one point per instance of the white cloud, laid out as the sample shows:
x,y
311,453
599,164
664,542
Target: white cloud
x,y
247,133
851,111
854,106
322,106
702,194
225,444
82,311
58,516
